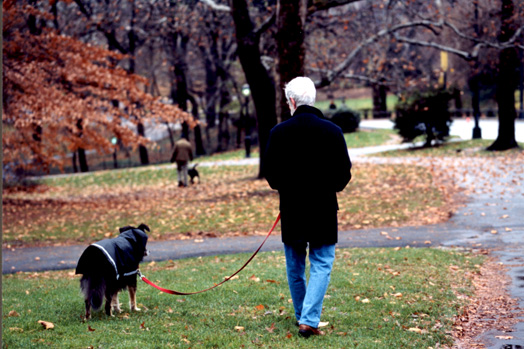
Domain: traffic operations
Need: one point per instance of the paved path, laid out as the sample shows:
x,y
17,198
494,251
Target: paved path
x,y
492,219
462,128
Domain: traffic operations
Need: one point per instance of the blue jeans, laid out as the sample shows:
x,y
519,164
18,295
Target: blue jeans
x,y
307,299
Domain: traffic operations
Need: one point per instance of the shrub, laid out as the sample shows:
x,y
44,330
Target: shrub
x,y
348,120
424,114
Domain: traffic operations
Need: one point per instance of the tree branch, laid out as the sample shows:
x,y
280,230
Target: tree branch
x,y
320,5
464,54
339,69
215,6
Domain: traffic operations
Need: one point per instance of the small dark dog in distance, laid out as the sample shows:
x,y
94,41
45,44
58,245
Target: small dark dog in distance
x,y
193,173
110,266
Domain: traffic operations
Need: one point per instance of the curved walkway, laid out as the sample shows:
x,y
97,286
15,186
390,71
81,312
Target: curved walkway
x,y
492,218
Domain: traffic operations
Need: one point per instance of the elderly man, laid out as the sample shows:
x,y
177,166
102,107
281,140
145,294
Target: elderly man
x,y
307,161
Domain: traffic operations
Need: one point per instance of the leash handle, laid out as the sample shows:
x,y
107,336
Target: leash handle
x,y
165,290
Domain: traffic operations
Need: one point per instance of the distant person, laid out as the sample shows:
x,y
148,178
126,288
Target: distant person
x,y
332,105
182,154
307,161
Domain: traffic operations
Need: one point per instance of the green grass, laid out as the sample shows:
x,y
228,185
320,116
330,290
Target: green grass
x,y
368,138
474,147
357,104
377,298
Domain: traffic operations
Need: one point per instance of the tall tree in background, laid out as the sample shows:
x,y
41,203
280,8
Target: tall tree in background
x,y
119,23
291,22
257,76
59,95
507,81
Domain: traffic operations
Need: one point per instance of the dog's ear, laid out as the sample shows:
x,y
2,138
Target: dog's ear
x,y
127,227
144,227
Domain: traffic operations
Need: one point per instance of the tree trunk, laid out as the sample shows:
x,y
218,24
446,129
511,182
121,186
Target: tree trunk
x,y
379,101
142,150
291,21
259,80
507,82
82,160
73,160
181,94
200,150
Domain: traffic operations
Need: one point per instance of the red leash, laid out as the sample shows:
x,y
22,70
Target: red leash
x,y
216,285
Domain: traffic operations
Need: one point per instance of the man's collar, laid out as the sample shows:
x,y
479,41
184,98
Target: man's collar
x,y
307,109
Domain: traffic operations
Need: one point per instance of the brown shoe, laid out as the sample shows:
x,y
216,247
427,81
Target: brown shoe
x,y
306,331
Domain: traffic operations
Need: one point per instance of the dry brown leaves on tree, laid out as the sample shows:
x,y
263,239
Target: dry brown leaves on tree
x,y
60,94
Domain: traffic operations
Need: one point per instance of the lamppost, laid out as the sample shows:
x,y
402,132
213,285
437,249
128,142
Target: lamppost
x,y
114,142
246,91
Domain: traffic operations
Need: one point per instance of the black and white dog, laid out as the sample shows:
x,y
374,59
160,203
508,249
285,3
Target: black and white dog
x,y
111,265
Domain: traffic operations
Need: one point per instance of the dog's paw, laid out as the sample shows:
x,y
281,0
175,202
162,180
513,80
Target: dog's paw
x,y
135,309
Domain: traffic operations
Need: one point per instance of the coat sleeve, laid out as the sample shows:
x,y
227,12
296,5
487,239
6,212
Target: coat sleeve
x,y
342,172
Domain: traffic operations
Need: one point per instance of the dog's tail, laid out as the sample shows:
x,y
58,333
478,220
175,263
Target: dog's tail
x,y
93,288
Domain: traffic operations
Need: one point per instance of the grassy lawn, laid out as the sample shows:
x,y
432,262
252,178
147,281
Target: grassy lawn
x,y
378,298
228,201
467,148
359,139
369,138
356,104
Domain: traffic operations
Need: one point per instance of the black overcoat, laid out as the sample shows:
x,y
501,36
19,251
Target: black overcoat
x,y
307,161
123,254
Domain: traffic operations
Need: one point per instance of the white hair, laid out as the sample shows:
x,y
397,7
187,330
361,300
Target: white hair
x,y
302,90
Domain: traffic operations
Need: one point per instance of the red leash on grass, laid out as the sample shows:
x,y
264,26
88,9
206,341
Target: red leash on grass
x,y
216,285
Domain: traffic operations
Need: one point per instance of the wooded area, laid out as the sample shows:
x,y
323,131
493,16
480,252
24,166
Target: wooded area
x,y
82,75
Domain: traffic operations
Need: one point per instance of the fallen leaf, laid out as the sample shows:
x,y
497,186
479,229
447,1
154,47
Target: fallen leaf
x,y
231,278
504,337
271,329
259,307
46,324
90,329
414,329
13,313
239,328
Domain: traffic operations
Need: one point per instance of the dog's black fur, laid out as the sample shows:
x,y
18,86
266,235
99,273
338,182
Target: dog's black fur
x,y
193,173
99,279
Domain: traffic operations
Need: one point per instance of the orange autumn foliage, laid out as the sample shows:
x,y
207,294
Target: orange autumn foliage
x,y
61,94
